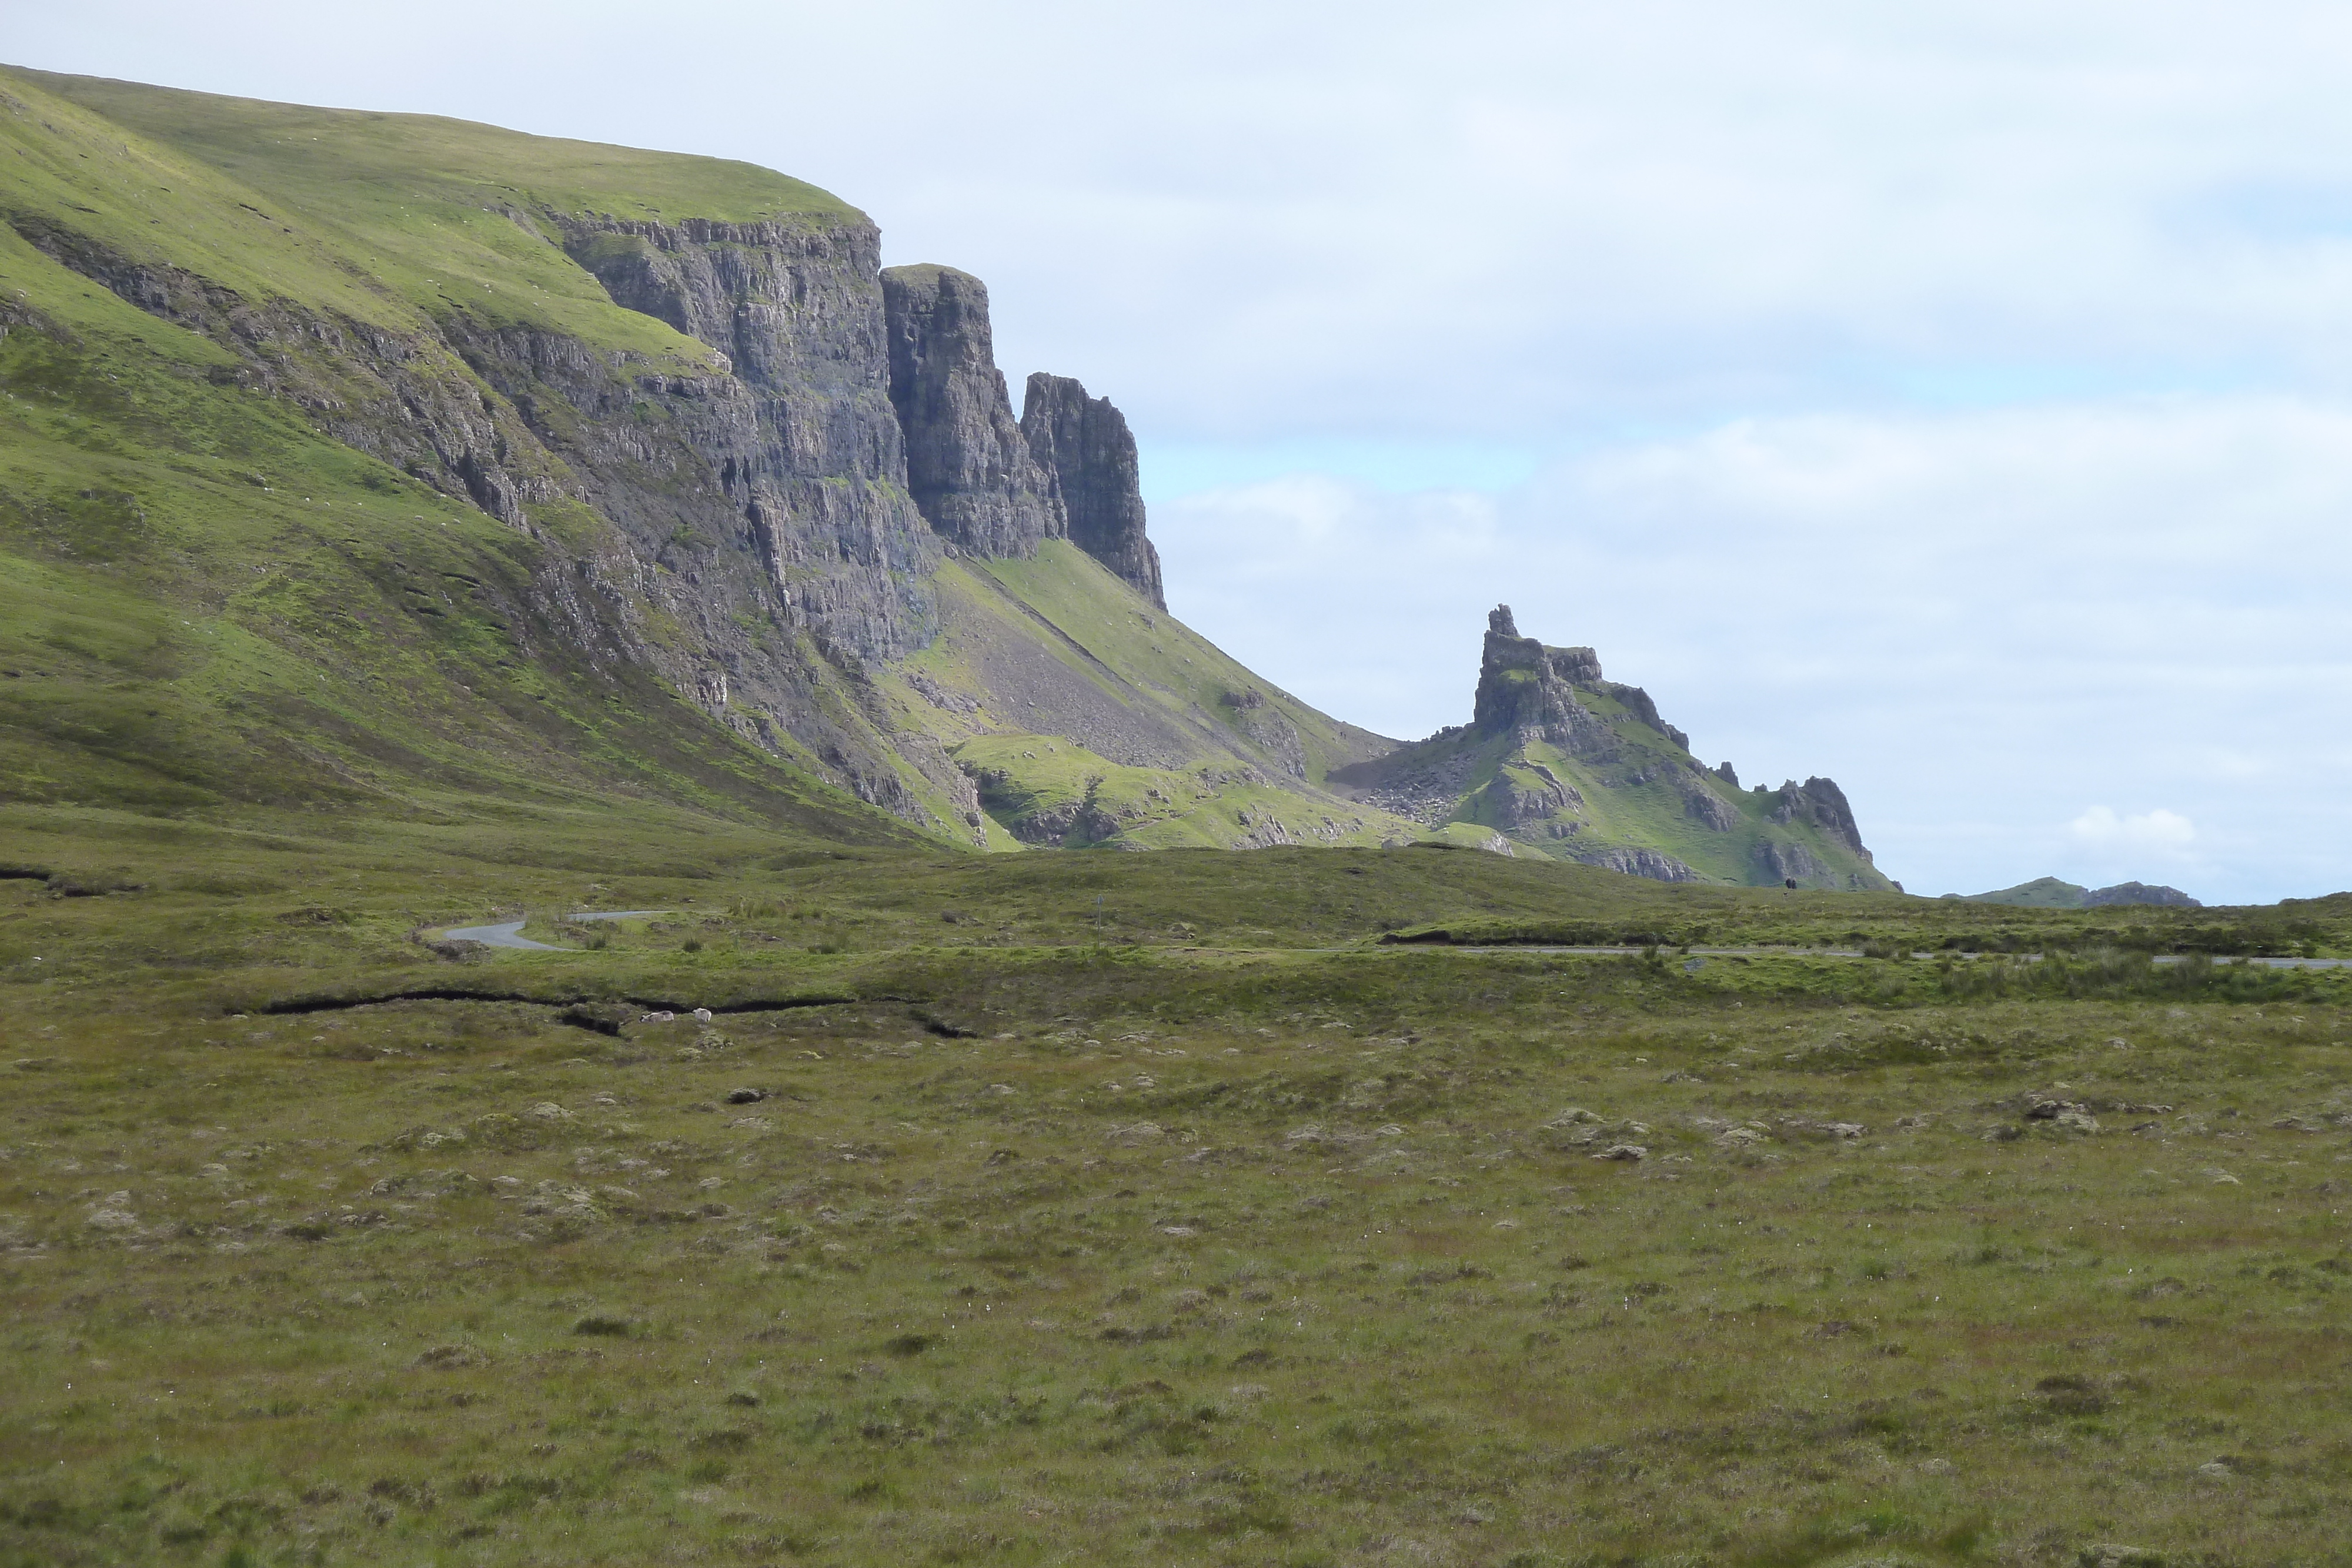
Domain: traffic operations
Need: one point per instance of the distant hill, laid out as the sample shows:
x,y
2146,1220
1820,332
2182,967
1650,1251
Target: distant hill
x,y
2049,893
1558,761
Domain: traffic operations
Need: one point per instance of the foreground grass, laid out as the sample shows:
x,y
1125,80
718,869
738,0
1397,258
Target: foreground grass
x,y
1109,1256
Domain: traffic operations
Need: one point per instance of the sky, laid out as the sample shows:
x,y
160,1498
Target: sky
x,y
1954,400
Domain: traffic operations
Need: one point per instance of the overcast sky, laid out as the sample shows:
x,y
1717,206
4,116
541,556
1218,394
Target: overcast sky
x,y
1953,399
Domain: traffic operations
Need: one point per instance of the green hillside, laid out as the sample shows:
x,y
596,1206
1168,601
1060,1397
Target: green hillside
x,y
1038,655
2050,892
2042,893
386,218
205,443
209,602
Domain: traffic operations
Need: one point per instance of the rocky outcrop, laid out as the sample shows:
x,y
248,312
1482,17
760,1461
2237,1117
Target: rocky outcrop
x,y
968,464
747,504
2139,892
1516,799
1573,765
747,535
1529,690
1086,449
1706,807
1637,861
799,435
1782,862
1821,802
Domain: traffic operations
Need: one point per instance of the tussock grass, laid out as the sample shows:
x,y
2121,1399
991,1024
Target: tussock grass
x,y
1066,1250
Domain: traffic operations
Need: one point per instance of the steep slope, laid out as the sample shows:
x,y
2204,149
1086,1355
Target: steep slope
x,y
1084,445
1561,760
414,412
1089,716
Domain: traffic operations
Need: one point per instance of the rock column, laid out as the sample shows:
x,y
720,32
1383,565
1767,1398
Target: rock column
x,y
968,467
1086,449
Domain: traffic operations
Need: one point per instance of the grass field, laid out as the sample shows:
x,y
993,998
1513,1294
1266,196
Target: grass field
x,y
988,1223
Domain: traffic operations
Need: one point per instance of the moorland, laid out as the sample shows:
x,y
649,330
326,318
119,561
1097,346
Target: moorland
x,y
1145,1208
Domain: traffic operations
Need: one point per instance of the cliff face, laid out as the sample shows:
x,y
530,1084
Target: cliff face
x,y
1528,690
730,513
967,464
1561,760
1084,445
797,440
724,454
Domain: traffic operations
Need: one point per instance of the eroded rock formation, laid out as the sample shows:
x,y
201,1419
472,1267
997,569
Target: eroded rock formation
x,y
1084,445
1566,761
968,464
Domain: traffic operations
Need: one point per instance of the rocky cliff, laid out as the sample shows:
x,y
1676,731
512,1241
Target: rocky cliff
x,y
714,448
1084,445
1559,759
967,466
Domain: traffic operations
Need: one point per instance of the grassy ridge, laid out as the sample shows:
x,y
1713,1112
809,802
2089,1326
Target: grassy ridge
x,y
382,218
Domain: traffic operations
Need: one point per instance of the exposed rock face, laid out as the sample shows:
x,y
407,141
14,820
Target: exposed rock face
x,y
756,507
1635,861
799,437
751,514
2139,892
1572,765
1780,861
1528,689
1084,445
1708,808
1822,803
1515,802
967,466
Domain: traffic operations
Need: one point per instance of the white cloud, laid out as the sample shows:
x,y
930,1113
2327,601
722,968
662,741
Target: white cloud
x,y
1500,218
1973,621
2161,830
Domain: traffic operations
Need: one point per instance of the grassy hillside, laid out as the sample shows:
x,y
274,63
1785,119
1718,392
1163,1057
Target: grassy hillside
x,y
2042,893
413,226
382,217
206,602
1642,796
